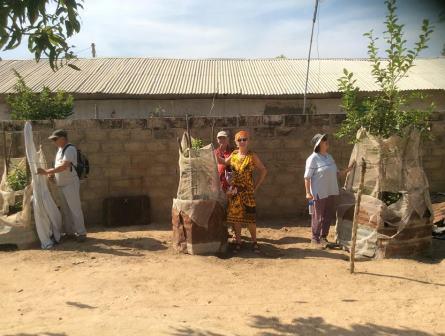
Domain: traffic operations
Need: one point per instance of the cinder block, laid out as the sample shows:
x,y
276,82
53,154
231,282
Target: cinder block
x,y
112,147
96,135
112,172
118,135
141,134
157,146
134,123
135,147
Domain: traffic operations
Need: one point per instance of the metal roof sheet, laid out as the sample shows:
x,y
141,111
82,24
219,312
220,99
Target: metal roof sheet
x,y
247,77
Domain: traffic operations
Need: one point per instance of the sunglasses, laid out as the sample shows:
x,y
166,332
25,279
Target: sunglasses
x,y
242,139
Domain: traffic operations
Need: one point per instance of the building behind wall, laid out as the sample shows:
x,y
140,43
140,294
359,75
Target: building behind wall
x,y
143,87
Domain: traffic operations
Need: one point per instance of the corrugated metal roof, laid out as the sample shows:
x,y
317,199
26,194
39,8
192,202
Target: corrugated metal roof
x,y
247,77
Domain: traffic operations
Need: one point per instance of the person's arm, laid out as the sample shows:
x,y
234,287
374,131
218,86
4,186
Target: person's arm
x,y
65,165
307,186
223,161
346,170
67,160
308,172
262,170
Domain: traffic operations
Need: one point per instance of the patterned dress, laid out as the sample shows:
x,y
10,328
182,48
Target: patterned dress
x,y
241,207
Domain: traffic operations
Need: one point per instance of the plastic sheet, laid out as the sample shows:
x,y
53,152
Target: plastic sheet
x,y
47,216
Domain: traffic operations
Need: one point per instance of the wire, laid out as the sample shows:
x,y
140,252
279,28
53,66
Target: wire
x,y
83,50
309,56
316,43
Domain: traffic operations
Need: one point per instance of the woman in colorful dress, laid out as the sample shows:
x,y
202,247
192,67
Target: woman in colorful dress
x,y
242,207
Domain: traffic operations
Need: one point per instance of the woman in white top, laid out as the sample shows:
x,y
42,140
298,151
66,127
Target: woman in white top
x,y
320,180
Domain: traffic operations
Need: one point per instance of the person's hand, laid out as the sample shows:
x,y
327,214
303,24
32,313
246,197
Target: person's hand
x,y
41,171
309,196
351,167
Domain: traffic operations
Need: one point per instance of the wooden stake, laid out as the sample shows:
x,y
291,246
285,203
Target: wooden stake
x,y
5,154
356,213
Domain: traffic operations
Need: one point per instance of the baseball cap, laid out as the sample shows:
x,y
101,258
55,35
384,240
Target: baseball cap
x,y
60,133
222,134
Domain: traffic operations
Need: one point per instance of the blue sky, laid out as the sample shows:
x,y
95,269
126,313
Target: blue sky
x,y
240,28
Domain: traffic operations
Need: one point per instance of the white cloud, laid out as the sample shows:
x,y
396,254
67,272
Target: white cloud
x,y
229,28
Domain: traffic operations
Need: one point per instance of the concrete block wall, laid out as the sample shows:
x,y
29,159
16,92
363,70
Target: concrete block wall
x,y
139,156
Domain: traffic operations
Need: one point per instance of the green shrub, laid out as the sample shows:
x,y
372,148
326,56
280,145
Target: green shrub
x,y
17,179
28,105
197,143
387,113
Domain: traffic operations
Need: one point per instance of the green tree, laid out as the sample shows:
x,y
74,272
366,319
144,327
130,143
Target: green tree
x,y
28,105
46,23
386,113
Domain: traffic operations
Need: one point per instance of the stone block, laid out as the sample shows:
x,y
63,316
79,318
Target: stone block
x,y
200,122
140,160
96,172
13,125
85,123
264,132
250,121
318,120
135,147
141,134
157,146
96,135
159,133
273,120
98,159
66,124
157,122
118,159
286,131
112,147
133,171
294,120
89,147
134,123
176,122
112,172
337,119
118,135
432,164
225,122
42,125
110,123
162,170
293,142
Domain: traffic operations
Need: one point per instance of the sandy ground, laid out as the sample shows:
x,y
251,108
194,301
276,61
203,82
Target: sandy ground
x,y
129,281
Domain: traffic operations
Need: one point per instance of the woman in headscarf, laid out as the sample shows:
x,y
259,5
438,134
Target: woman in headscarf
x,y
321,183
242,207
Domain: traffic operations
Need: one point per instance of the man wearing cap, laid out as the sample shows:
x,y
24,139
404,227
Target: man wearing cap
x,y
68,183
223,151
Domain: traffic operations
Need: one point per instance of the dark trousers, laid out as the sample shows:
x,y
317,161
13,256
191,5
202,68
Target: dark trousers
x,y
322,214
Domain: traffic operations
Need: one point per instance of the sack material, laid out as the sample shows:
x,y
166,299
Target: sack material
x,y
83,165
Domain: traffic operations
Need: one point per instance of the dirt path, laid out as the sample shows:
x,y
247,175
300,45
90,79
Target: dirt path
x,y
130,282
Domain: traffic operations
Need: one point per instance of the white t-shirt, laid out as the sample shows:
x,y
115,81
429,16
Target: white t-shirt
x,y
69,175
322,171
